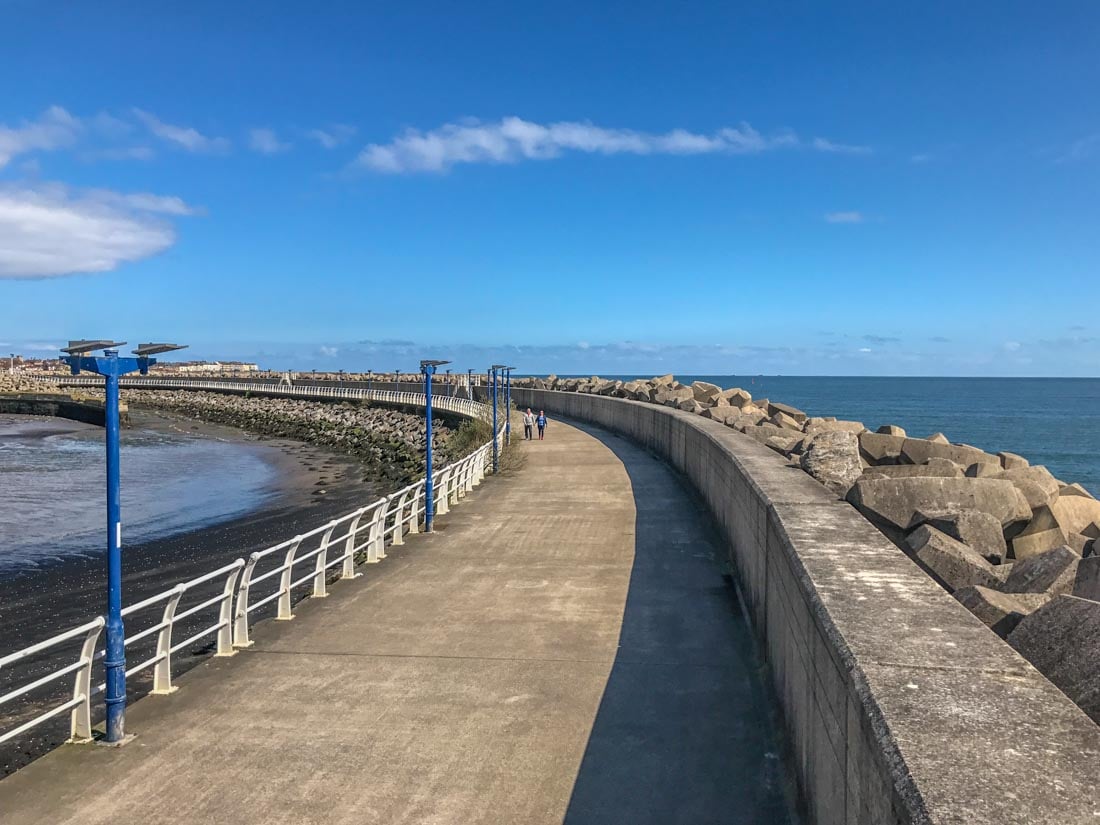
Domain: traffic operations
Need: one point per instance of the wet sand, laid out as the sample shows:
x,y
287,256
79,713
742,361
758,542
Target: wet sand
x,y
39,603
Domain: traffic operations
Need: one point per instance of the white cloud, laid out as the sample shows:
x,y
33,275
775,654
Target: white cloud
x,y
513,139
53,129
865,349
266,142
38,346
183,136
823,145
332,136
50,230
844,217
329,352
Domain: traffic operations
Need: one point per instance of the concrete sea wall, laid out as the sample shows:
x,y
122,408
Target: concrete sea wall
x,y
60,406
900,705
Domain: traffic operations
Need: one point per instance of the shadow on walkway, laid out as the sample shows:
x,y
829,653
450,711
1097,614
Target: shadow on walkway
x,y
687,729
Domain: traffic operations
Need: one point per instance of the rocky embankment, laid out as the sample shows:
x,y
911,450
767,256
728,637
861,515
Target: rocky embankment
x,y
15,384
388,441
1015,545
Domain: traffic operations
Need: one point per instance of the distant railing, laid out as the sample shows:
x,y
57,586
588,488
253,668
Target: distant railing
x,y
239,591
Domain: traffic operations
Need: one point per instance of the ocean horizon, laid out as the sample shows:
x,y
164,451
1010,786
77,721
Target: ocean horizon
x,y
1049,421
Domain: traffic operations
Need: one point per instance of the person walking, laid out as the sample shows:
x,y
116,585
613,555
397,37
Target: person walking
x,y
528,424
541,422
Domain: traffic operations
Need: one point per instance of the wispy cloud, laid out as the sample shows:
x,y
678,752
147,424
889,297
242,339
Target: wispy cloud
x,y
266,142
823,145
53,129
332,136
1082,149
844,217
881,339
513,139
49,230
184,137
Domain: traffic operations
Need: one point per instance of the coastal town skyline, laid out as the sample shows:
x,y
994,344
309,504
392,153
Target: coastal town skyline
x,y
576,190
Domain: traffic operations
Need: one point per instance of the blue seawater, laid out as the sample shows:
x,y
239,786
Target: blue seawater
x,y
1051,421
52,487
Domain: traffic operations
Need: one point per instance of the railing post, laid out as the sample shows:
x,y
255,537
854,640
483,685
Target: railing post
x,y
225,613
284,582
414,516
398,536
80,721
348,569
162,673
376,539
319,589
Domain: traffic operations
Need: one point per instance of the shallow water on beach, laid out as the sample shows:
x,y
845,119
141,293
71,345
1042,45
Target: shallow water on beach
x,y
52,487
1051,421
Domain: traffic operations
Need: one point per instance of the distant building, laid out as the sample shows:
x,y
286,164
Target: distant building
x,y
210,368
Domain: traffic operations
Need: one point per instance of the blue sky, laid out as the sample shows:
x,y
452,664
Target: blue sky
x,y
731,188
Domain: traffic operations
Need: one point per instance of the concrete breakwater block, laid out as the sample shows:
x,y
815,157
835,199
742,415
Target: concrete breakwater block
x,y
1062,640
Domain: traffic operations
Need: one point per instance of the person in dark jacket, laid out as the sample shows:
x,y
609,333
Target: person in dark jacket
x,y
541,422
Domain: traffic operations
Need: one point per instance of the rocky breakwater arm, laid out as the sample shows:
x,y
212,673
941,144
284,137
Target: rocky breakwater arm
x,y
390,442
1015,545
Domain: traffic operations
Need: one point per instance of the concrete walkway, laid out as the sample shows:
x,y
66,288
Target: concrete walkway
x,y
565,648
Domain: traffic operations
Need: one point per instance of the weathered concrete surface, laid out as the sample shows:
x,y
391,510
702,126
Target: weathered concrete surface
x,y
564,647
902,707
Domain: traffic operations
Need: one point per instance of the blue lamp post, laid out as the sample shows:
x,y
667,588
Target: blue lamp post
x,y
508,404
111,367
496,370
428,370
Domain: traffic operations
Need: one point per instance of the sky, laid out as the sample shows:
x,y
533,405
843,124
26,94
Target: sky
x,y
707,188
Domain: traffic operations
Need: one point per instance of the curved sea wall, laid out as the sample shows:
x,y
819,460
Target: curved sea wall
x,y
900,705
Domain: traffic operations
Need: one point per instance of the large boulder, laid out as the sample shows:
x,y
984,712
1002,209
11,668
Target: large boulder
x,y
1011,461
691,405
763,432
891,429
919,450
793,412
781,419
782,443
951,562
736,397
984,469
1051,572
705,392
1062,640
671,397
1075,513
816,425
1040,487
912,471
723,414
1000,612
979,531
1086,583
833,459
664,380
1042,533
881,448
893,503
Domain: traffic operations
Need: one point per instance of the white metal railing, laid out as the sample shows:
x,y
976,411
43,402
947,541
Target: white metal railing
x,y
462,406
238,591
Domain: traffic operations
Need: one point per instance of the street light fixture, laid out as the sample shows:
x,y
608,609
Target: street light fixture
x,y
110,366
428,370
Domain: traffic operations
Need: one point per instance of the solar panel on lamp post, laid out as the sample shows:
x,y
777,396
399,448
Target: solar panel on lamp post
x,y
111,367
428,370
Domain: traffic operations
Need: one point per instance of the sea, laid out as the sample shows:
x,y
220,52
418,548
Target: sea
x,y
1050,421
53,487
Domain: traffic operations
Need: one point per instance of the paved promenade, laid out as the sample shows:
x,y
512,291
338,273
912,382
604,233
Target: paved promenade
x,y
564,648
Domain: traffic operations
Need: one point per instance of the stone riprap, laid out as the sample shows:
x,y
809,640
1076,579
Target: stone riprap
x,y
977,522
390,442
